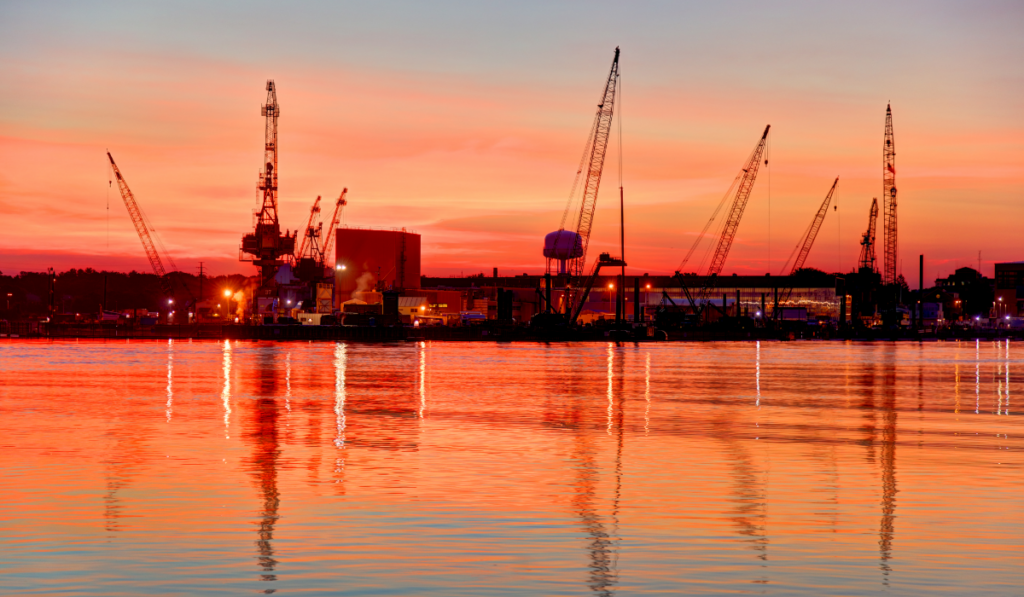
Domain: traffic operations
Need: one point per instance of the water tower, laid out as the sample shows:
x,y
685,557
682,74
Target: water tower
x,y
562,246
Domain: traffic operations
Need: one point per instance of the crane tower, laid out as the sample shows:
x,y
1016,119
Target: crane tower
x,y
889,197
867,242
266,244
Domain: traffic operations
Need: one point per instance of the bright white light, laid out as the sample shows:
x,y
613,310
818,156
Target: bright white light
x,y
758,314
1007,317
340,267
227,293
288,302
170,301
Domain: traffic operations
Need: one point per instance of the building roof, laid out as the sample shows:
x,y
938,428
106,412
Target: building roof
x,y
412,301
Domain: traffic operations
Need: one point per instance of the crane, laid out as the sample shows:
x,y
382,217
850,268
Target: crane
x,y
143,227
266,244
889,196
309,230
331,230
594,154
745,180
803,248
867,242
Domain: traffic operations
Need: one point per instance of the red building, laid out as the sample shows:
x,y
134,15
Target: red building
x,y
368,260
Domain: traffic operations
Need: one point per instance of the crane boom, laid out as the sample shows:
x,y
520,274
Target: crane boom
x,y
739,203
598,148
867,242
804,247
331,230
142,226
308,230
889,196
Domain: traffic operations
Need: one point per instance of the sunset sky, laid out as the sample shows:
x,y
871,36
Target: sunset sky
x,y
465,122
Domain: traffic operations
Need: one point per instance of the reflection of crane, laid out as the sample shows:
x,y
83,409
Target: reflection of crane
x,y
597,146
332,228
803,248
144,228
739,203
889,196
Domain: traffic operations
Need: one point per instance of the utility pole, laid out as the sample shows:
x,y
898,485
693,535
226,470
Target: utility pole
x,y
200,286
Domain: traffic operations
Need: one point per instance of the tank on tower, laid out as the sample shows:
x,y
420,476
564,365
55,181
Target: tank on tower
x,y
562,246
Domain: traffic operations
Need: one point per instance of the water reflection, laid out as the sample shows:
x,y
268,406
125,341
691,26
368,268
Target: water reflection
x,y
170,378
888,458
526,473
225,394
263,437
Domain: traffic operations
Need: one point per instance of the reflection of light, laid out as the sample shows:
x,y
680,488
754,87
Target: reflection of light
x,y
647,392
340,359
423,378
288,381
170,382
611,359
225,394
757,373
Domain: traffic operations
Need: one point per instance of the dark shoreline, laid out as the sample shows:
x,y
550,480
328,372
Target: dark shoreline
x,y
509,333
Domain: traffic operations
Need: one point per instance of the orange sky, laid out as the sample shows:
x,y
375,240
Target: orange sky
x,y
466,124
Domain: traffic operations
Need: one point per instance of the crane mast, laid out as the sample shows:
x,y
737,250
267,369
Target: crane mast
x,y
142,226
867,242
266,244
593,166
309,230
739,203
332,229
889,196
804,247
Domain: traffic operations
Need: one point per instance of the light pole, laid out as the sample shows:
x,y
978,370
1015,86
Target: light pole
x,y
610,288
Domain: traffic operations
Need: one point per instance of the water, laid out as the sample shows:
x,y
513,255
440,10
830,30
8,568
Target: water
x,y
183,468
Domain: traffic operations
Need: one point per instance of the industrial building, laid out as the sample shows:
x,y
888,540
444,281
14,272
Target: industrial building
x,y
1009,288
370,260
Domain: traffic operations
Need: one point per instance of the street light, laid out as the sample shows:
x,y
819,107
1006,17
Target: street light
x,y
610,287
340,267
227,293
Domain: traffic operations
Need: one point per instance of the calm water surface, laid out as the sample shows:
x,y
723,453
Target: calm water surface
x,y
183,468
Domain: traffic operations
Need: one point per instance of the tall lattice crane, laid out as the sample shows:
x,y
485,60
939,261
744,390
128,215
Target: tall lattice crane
x,y
803,248
332,228
266,243
867,242
592,167
143,227
889,196
310,230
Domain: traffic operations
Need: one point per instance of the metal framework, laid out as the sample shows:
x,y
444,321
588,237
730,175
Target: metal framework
x,y
597,147
889,196
332,228
266,243
804,246
867,242
309,230
142,226
739,203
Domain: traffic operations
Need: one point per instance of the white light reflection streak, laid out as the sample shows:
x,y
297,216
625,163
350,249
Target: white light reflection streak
x,y
225,394
757,374
611,358
170,382
288,381
340,361
1006,409
977,376
647,395
423,378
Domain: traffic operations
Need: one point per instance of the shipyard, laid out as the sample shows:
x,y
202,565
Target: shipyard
x,y
509,299
324,281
